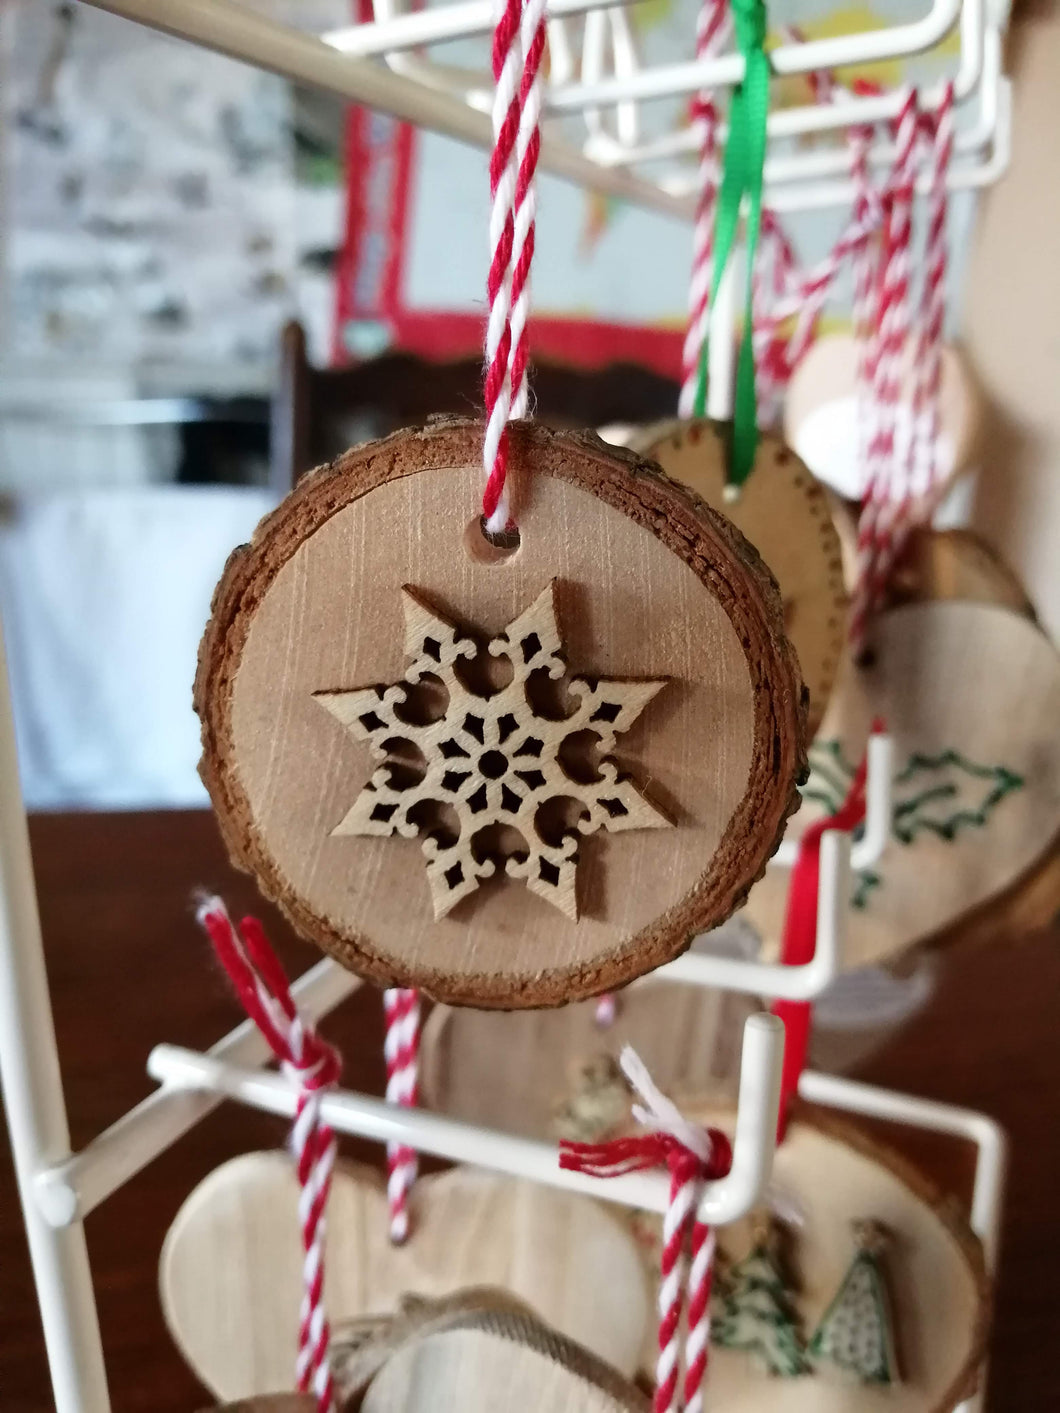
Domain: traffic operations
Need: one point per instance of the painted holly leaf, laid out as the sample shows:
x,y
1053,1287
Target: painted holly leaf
x,y
945,793
940,794
493,755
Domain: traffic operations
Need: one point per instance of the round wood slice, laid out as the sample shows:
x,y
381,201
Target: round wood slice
x,y
230,1270
828,1174
971,696
784,512
618,859
821,415
554,1074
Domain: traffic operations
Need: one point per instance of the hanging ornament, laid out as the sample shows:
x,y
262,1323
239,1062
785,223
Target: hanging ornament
x,y
784,512
231,1266
453,808
514,756
855,1333
970,694
756,1315
554,1074
827,1174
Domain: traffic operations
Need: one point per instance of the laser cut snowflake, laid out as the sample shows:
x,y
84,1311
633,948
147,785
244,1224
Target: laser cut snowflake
x,y
488,782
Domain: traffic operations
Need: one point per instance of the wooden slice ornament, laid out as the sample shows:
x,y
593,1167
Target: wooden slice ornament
x,y
821,419
554,1074
790,1286
785,514
971,696
513,776
230,1270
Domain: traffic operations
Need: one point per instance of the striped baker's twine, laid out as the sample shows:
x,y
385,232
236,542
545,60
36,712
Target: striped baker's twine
x,y
401,1048
713,28
518,49
313,1065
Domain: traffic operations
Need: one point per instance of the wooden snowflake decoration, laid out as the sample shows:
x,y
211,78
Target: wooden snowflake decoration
x,y
492,776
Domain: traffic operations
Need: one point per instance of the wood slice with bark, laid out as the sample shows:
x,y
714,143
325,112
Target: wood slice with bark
x,y
783,510
827,1175
554,1074
970,695
512,775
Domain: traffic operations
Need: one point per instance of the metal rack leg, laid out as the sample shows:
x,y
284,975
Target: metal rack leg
x,y
33,1101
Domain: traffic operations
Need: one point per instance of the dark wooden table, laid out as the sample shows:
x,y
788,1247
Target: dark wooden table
x,y
128,968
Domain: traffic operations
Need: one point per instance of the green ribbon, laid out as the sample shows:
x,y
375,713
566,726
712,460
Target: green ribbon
x,y
745,155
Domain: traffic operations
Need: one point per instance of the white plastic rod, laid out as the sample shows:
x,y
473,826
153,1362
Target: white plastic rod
x,y
726,1200
725,71
33,1101
241,33
67,1191
437,24
892,1107
991,1161
785,983
878,794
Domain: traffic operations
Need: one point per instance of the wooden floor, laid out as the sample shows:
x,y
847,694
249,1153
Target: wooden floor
x,y
129,968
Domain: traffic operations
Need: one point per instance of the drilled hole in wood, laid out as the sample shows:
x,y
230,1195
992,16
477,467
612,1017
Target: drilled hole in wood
x,y
489,547
548,698
557,817
406,762
484,675
425,701
436,818
499,841
579,756
493,764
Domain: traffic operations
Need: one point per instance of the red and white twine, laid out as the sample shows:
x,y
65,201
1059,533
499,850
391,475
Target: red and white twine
x,y
712,30
518,49
898,494
693,1156
313,1065
401,1047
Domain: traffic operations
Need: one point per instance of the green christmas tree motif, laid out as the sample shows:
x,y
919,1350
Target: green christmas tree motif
x,y
937,794
755,1313
856,1332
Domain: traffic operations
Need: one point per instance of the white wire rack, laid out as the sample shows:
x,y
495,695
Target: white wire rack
x,y
385,65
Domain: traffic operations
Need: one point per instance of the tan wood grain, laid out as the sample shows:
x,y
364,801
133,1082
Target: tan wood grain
x,y
783,510
481,1370
827,1174
966,677
230,1271
650,584
530,1074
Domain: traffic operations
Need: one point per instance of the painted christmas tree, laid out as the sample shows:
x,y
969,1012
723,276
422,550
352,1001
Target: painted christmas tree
x,y
856,1332
755,1312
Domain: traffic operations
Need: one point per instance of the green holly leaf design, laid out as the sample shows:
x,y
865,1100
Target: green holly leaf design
x,y
939,794
945,793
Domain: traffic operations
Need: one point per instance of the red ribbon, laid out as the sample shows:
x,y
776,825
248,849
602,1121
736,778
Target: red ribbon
x,y
799,942
642,1151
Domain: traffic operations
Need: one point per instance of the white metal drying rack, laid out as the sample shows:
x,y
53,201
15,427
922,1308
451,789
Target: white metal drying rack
x,y
372,65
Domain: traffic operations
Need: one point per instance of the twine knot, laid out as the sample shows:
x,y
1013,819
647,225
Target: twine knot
x,y
693,1155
